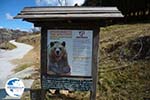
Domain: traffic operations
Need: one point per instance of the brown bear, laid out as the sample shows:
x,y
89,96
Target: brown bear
x,y
58,61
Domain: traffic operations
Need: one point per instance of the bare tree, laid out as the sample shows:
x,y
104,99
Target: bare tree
x,y
66,4
62,2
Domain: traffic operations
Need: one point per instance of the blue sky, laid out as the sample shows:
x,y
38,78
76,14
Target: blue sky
x,y
10,8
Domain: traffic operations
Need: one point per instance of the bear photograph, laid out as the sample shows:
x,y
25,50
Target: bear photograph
x,y
58,60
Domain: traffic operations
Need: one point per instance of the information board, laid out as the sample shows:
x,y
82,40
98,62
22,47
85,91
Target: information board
x,y
69,52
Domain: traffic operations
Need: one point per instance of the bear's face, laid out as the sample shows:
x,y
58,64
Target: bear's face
x,y
57,48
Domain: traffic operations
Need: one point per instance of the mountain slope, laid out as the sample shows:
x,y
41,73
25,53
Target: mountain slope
x,y
121,78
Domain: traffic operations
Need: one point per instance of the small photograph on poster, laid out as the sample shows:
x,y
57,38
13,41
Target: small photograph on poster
x,y
69,52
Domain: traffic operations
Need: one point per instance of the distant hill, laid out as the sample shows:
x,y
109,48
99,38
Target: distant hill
x,y
9,34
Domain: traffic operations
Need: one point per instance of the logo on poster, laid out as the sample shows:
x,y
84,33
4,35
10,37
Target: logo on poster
x,y
14,87
82,35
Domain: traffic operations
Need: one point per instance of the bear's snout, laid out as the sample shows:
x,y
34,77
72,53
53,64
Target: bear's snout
x,y
58,52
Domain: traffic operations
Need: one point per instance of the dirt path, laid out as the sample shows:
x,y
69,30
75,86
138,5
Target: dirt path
x,y
6,56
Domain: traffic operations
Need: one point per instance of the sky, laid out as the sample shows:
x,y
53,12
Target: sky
x,y
10,8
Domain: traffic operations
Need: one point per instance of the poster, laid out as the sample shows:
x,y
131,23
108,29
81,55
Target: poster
x,y
69,52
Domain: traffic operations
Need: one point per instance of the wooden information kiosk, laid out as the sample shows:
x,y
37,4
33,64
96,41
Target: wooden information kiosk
x,y
69,44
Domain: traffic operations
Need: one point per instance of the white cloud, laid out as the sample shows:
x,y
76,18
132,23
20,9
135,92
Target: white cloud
x,y
34,29
46,2
1,27
18,28
73,2
56,3
50,1
9,16
38,2
21,29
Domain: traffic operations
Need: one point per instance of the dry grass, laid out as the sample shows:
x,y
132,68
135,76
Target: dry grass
x,y
121,79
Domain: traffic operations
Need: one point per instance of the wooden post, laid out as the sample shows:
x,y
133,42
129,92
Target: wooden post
x,y
35,94
43,56
95,62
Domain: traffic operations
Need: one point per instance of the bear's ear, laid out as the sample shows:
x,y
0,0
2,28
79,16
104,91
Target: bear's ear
x,y
52,44
63,43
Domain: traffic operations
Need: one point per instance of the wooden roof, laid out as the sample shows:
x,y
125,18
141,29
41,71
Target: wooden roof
x,y
65,13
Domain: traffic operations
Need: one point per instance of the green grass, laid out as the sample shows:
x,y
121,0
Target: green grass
x,y
7,46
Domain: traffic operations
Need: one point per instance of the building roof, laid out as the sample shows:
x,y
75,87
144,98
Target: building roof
x,y
65,13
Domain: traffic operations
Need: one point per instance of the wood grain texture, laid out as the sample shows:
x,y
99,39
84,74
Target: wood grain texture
x,y
95,63
69,8
43,59
68,12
